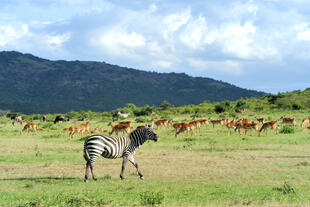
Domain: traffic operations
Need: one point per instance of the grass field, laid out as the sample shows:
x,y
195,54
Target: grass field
x,y
209,169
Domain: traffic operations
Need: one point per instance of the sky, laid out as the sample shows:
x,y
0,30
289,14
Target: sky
x,y
262,45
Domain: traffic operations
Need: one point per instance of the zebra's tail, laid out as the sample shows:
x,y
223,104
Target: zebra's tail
x,y
85,152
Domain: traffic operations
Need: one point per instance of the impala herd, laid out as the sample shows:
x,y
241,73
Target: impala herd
x,y
192,127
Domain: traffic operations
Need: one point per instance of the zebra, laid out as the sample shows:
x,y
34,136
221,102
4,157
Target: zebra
x,y
116,147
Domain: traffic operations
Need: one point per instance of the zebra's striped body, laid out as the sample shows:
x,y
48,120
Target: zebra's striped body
x,y
115,147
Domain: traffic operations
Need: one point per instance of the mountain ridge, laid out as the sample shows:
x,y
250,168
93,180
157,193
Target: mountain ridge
x,y
30,84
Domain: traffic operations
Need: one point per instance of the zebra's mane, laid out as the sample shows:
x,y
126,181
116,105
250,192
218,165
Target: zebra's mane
x,y
136,131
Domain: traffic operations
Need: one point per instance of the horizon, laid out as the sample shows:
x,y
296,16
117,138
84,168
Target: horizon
x,y
257,45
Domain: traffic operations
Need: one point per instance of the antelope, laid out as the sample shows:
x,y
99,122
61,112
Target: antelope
x,y
186,128
103,130
197,124
28,126
218,121
260,120
304,122
125,122
272,125
86,126
96,131
119,127
250,126
163,122
204,121
75,129
230,125
286,120
176,126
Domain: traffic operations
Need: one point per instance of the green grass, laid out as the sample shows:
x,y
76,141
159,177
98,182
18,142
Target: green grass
x,y
209,169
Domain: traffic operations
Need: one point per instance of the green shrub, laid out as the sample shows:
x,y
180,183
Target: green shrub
x,y
151,198
286,129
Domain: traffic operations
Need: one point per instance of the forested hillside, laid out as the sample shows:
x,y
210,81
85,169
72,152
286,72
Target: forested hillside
x,y
34,85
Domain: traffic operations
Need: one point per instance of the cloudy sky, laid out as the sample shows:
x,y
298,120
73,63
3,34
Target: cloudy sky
x,y
262,45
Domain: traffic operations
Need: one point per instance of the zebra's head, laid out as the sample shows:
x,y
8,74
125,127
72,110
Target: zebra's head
x,y
150,134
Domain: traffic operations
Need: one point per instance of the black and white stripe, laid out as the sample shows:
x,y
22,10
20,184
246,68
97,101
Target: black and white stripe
x,y
115,147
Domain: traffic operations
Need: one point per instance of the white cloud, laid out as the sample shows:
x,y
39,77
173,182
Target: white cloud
x,y
193,33
56,41
162,64
226,66
303,32
9,34
118,42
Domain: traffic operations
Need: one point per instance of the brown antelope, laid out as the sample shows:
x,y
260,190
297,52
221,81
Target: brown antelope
x,y
217,121
96,131
119,127
124,122
185,128
86,126
176,126
33,126
163,122
249,127
260,120
271,125
287,120
230,125
304,122
197,124
103,130
75,129
204,121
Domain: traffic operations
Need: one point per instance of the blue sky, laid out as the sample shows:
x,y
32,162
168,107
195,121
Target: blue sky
x,y
262,45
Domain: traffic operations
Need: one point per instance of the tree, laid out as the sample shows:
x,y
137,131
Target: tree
x,y
165,105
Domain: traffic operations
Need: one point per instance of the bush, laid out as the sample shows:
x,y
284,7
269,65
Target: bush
x,y
219,108
287,130
151,198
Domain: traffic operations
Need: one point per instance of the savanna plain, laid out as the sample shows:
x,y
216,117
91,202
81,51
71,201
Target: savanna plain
x,y
206,169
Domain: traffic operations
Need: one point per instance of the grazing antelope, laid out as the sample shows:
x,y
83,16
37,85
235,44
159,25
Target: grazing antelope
x,y
96,131
217,121
304,122
103,130
28,126
119,127
163,122
186,128
271,125
260,120
287,120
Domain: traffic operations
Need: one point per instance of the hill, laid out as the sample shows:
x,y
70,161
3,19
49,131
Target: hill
x,y
31,84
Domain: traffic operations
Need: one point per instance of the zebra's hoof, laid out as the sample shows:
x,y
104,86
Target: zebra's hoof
x,y
85,180
142,178
95,179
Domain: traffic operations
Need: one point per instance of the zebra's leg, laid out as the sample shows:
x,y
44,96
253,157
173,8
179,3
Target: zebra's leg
x,y
132,160
92,165
87,172
125,160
